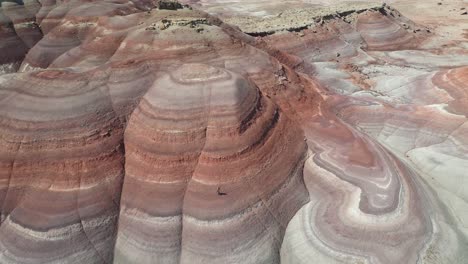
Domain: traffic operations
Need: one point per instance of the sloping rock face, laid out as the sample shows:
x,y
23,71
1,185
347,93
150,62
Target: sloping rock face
x,y
148,137
62,163
18,31
155,132
387,148
216,158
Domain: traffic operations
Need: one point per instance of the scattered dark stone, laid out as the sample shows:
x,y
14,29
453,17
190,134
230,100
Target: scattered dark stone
x,y
338,55
439,3
169,5
464,13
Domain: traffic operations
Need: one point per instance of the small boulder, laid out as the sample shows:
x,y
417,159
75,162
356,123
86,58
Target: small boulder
x,y
169,5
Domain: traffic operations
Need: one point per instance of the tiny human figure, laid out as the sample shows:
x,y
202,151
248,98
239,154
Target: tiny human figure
x,y
220,193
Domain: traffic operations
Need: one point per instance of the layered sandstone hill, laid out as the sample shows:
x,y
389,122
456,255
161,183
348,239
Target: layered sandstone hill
x,y
204,132
211,166
18,31
134,146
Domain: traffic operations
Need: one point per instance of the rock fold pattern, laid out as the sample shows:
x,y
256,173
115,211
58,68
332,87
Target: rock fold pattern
x,y
153,132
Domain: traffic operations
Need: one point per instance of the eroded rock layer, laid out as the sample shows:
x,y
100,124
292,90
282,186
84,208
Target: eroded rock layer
x,y
158,132
62,165
221,161
18,33
176,137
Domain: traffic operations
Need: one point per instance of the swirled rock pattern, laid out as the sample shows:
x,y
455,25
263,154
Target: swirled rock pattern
x,y
201,131
210,132
61,168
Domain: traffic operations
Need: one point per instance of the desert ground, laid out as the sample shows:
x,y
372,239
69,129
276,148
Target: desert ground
x,y
238,132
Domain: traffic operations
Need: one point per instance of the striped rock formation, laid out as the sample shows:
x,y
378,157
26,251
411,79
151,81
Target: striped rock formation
x,y
386,146
62,165
433,149
67,25
387,30
213,172
18,32
151,132
135,156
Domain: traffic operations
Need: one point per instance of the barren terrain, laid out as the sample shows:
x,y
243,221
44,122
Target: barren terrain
x,y
256,132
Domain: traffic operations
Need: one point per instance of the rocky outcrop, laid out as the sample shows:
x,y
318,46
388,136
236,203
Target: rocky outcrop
x,y
62,165
18,33
153,132
155,149
213,172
